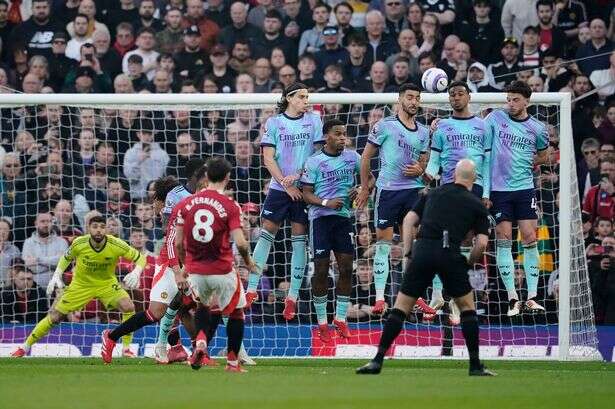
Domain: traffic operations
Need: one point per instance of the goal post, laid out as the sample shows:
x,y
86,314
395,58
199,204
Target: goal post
x,y
576,336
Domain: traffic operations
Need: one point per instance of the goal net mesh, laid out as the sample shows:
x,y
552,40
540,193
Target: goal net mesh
x,y
73,160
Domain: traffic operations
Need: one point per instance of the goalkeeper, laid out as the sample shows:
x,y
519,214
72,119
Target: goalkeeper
x,y
96,255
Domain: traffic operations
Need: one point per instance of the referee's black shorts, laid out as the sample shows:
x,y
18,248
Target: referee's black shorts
x,y
429,259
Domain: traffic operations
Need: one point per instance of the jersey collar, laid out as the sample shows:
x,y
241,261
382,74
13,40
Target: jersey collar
x,y
519,120
462,119
416,127
292,118
99,250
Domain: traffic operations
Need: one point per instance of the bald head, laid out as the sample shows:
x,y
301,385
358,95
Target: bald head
x,y
465,173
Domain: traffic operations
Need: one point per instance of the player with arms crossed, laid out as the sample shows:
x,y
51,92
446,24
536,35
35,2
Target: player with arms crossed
x,y
328,189
518,143
164,288
402,144
205,224
96,255
288,142
447,215
461,136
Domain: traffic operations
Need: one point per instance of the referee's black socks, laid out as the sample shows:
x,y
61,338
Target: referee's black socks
x,y
391,330
469,328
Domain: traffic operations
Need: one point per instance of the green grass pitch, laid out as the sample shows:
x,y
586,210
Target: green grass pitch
x,y
305,383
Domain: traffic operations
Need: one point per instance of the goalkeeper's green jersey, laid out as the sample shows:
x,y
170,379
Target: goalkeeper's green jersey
x,y
97,267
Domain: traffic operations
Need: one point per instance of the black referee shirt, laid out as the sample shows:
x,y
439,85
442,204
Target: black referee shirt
x,y
453,208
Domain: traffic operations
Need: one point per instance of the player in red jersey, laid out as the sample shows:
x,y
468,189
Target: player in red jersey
x,y
205,224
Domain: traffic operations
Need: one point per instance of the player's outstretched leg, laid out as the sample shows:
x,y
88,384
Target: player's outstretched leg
x,y
40,331
135,322
166,323
261,254
531,260
381,273
298,262
506,267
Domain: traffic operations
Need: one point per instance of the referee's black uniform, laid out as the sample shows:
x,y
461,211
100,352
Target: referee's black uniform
x,y
447,214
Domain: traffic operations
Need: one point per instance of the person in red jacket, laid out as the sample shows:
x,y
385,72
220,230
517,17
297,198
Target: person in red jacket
x,y
599,199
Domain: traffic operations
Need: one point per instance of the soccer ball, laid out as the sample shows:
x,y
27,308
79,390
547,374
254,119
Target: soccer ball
x,y
434,80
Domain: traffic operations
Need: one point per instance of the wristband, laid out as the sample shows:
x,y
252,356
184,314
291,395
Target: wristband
x,y
324,202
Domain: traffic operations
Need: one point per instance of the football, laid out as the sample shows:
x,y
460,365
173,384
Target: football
x,y
434,80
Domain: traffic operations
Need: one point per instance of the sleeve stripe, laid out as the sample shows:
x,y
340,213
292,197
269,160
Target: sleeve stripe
x,y
373,143
487,150
171,243
268,144
545,148
436,149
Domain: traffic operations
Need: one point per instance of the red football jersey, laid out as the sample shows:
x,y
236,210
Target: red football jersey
x,y
167,254
208,217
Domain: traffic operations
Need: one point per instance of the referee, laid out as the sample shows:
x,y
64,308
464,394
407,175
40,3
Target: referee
x,y
448,213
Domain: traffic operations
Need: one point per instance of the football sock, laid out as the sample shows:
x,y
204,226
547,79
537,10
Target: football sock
x,y
320,305
297,263
436,292
392,328
127,338
166,322
341,306
201,319
173,337
530,265
40,330
381,267
506,267
135,322
234,332
214,321
469,328
260,256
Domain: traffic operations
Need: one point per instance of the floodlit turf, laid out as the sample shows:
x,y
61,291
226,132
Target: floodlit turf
x,y
298,384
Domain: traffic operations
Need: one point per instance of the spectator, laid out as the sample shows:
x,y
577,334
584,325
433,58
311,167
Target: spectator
x,y
571,17
221,72
169,40
262,75
550,36
604,80
240,28
186,149
39,66
607,127
333,80
378,78
37,32
588,168
95,190
218,12
307,68
126,13
144,219
123,84
503,73
484,35
146,42
593,54
246,174
80,37
64,222
161,84
430,36
358,65
89,66
363,293
192,61
343,13
415,17
241,60
379,46
8,252
13,191
88,8
109,59
42,250
22,299
287,75
147,9
447,63
208,29
117,206
555,75
394,21
295,19
601,266
426,61
312,39
530,54
84,155
277,60
272,36
444,10
257,15
331,52
582,107
125,39
144,162
599,199
518,14
407,49
6,27
59,63
400,75
478,79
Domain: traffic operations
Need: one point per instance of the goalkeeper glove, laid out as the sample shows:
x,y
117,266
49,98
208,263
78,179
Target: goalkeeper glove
x,y
132,279
55,282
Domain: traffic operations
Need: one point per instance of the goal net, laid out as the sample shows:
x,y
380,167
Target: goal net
x,y
65,157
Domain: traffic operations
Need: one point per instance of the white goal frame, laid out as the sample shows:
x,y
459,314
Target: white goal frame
x,y
563,100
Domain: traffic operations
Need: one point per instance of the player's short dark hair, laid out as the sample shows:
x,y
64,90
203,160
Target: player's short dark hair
x,y
459,84
545,3
163,186
291,89
408,86
201,172
192,166
519,87
97,219
217,169
329,124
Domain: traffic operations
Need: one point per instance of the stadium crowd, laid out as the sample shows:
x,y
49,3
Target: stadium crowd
x,y
60,164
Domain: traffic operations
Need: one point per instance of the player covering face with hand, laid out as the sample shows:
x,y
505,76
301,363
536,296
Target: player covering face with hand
x,y
287,143
329,190
94,277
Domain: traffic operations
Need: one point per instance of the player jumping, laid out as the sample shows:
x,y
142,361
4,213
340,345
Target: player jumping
x,y
518,144
328,189
402,144
96,256
288,142
205,223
